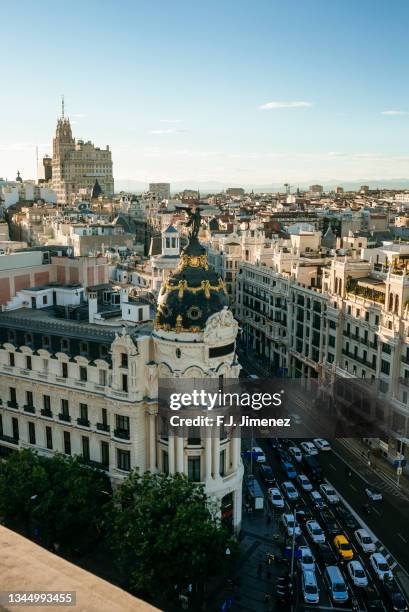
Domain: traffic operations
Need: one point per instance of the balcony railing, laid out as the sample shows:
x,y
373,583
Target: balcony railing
x,y
103,427
64,417
121,433
10,439
12,404
98,465
83,422
46,412
29,408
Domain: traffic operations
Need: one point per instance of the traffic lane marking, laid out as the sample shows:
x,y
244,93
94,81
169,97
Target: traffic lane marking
x,y
402,538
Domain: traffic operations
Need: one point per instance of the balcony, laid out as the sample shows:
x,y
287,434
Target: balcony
x,y
373,345
404,381
83,422
64,417
46,412
123,434
12,404
29,408
405,359
98,465
103,427
9,439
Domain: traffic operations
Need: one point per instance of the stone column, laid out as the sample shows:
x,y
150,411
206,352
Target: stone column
x,y
152,442
179,454
208,456
171,454
216,453
235,451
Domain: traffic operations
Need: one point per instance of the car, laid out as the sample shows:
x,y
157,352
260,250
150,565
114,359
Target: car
x,y
316,533
275,497
365,541
289,469
325,554
304,482
346,517
372,599
335,582
330,523
343,547
394,596
317,500
380,566
258,454
304,513
322,444
306,560
290,491
357,573
309,448
267,474
291,527
283,455
309,587
373,494
329,493
296,453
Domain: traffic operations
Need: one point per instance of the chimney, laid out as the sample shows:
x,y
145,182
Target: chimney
x,y
92,305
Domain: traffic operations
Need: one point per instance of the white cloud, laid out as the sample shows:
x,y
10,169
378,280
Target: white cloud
x,y
170,120
394,112
168,131
276,104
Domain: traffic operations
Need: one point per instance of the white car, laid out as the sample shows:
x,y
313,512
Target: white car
x,y
306,560
290,526
295,418
309,448
260,456
322,444
315,531
357,573
365,541
329,494
380,566
317,500
290,491
276,498
296,453
309,587
373,494
304,482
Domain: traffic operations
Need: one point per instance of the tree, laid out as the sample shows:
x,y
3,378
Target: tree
x,y
59,496
165,533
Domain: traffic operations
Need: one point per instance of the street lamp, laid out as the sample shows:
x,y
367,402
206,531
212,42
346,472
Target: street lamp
x,y
293,545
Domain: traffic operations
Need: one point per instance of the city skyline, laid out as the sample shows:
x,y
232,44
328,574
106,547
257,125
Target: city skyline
x,y
203,95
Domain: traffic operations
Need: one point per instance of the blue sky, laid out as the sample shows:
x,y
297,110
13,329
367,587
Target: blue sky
x,y
230,91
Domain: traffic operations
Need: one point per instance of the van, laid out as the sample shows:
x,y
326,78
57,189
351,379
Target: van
x,y
336,584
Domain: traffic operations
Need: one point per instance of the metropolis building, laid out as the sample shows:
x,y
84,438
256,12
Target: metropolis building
x,y
79,375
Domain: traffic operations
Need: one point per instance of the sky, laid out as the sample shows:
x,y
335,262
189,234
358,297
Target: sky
x,y
237,92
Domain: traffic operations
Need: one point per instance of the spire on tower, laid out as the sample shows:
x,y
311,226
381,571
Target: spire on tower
x,y
62,106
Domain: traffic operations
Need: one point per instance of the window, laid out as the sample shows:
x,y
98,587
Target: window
x,y
12,359
125,383
31,433
102,377
367,316
84,412
140,314
46,402
122,422
123,459
1,425
14,423
28,363
65,344
46,341
331,341
222,463
83,348
67,443
104,416
85,448
29,398
165,462
385,367
65,411
64,368
83,373
219,351
49,437
45,299
104,453
193,468
124,360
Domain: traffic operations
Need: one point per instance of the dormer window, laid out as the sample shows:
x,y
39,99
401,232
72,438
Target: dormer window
x,y
28,339
124,360
65,344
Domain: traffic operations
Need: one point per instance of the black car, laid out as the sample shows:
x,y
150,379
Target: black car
x,y
394,596
372,600
326,554
330,523
283,455
267,474
346,517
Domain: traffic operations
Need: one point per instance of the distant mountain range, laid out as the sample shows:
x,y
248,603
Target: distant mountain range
x,y
217,186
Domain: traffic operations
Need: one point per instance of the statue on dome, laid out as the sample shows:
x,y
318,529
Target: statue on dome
x,y
193,222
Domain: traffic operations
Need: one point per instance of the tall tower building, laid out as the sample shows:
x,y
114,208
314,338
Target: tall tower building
x,y
76,165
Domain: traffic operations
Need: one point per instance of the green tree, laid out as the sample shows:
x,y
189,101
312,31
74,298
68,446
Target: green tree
x,y
59,496
165,532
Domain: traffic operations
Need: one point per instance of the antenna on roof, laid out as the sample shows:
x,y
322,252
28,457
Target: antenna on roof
x,y
62,106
